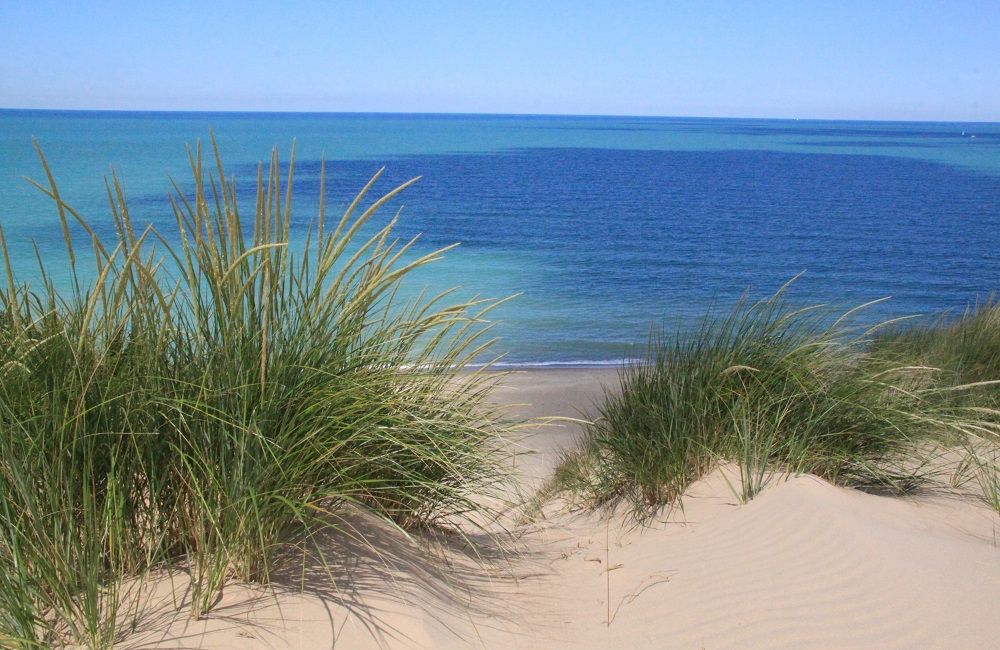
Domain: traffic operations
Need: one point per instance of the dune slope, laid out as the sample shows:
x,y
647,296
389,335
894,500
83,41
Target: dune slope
x,y
805,564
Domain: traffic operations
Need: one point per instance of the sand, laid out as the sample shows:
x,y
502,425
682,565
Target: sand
x,y
804,565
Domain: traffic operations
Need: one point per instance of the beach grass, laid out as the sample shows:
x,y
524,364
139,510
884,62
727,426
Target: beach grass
x,y
965,351
775,389
209,398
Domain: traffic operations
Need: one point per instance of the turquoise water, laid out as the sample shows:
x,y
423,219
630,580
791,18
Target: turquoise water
x,y
604,225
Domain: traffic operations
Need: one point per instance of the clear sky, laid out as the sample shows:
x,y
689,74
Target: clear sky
x,y
879,59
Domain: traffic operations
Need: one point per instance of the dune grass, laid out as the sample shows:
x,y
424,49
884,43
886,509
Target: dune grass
x,y
213,397
773,389
965,352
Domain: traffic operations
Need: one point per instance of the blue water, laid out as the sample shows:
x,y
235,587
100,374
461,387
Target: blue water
x,y
604,225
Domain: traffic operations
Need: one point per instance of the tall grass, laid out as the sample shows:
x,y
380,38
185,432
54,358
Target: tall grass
x,y
965,352
772,388
213,396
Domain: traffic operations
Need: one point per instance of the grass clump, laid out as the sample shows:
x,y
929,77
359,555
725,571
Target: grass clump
x,y
771,388
213,397
965,352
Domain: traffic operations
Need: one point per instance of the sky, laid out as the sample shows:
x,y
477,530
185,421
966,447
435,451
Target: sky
x,y
846,59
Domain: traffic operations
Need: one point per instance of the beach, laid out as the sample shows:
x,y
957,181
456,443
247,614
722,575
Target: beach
x,y
490,326
804,564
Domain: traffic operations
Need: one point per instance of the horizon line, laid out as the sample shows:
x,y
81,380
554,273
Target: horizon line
x,y
485,114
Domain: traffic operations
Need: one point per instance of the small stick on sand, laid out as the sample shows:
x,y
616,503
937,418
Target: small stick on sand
x,y
607,564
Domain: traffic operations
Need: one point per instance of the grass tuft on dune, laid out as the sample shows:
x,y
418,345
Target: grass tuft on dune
x,y
213,398
779,389
965,352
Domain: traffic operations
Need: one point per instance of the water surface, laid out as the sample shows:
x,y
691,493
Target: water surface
x,y
604,225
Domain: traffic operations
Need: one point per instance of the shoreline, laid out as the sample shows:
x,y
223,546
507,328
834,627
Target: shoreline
x,y
555,365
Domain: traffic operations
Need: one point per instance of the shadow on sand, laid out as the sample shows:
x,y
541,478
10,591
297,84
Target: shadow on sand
x,y
358,578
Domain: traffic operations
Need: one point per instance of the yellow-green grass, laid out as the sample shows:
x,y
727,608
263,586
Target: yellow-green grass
x,y
771,388
213,398
965,352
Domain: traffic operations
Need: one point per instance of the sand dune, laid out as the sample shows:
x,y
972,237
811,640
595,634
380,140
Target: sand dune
x,y
805,564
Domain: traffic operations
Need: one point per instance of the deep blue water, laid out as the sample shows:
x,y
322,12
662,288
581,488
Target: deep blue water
x,y
604,225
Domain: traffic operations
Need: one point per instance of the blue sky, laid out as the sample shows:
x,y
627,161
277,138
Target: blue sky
x,y
876,59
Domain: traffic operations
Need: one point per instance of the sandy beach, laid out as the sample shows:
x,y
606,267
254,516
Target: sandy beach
x,y
805,564
499,325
